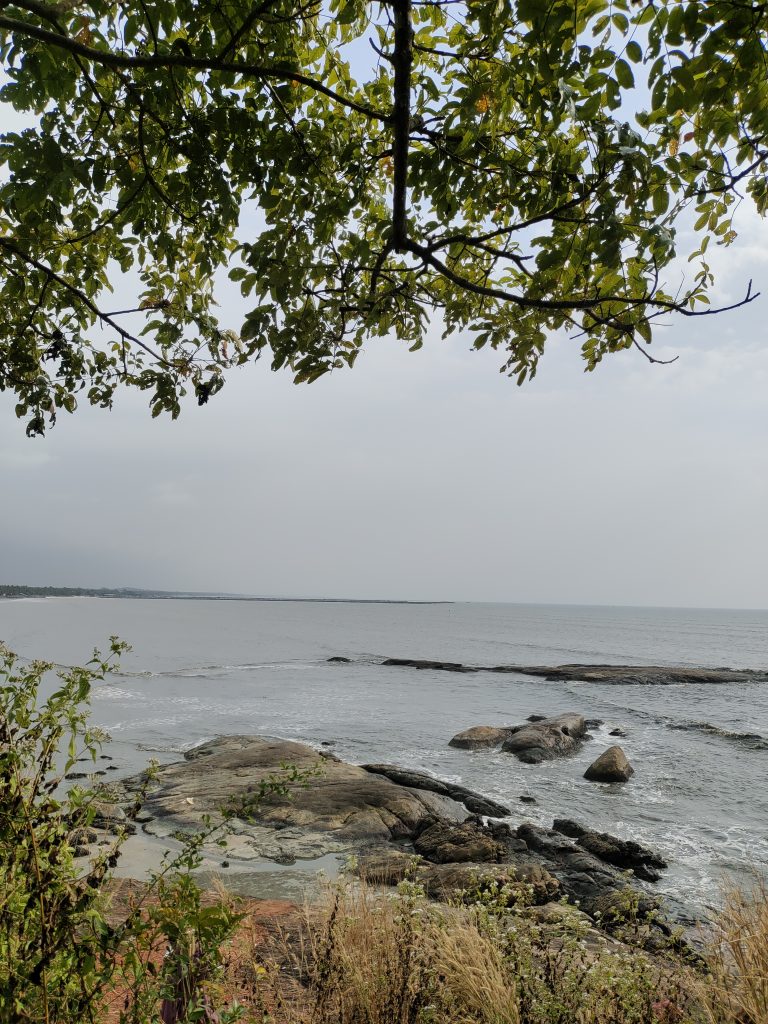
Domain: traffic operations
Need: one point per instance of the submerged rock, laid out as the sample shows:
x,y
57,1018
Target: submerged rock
x,y
611,766
547,739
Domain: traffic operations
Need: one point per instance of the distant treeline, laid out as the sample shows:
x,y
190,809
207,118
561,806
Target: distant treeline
x,y
18,590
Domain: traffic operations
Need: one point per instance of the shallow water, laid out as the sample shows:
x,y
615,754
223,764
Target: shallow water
x,y
203,668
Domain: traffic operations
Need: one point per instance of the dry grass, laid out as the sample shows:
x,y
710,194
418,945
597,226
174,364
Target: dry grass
x,y
737,990
373,959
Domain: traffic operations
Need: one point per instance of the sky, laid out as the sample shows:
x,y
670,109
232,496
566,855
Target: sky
x,y
425,476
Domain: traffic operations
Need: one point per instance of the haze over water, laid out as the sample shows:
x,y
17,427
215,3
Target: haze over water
x,y
204,668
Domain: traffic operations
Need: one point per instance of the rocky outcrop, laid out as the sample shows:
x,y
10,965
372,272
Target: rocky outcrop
x,y
447,843
647,675
474,802
611,766
344,807
621,853
547,739
536,740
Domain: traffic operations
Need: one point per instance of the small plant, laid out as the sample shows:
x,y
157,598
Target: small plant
x,y
60,958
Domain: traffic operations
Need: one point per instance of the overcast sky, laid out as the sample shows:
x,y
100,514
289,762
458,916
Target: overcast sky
x,y
425,475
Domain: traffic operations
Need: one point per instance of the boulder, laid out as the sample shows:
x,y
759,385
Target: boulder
x,y
479,737
446,843
622,853
611,766
474,802
548,739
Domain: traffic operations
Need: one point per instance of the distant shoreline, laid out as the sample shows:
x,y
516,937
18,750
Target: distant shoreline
x,y
16,592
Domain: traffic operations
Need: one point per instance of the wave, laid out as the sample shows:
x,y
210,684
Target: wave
x,y
751,740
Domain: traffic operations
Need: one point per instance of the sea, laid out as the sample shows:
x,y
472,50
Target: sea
x,y
205,668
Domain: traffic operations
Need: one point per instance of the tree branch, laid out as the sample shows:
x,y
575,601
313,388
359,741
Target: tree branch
x,y
163,62
402,61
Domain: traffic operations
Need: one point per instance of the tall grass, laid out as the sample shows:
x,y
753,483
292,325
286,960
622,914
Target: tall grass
x,y
736,991
368,958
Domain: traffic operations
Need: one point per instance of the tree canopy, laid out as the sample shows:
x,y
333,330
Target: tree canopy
x,y
507,167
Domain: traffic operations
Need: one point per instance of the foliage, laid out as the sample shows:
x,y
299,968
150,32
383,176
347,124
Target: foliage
x,y
515,166
403,960
60,957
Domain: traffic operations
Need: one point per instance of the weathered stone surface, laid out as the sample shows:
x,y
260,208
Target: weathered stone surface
x,y
545,740
622,853
108,814
343,808
446,843
441,666
611,766
447,881
474,802
480,737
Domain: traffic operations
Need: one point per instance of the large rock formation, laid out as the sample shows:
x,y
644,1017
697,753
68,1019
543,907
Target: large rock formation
x,y
344,807
538,739
542,741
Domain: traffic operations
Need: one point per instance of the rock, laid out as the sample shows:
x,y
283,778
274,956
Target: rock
x,y
418,663
480,737
547,739
593,723
618,731
71,776
611,766
108,814
343,808
526,799
83,836
446,843
338,660
536,718
622,853
447,881
81,851
387,867
474,802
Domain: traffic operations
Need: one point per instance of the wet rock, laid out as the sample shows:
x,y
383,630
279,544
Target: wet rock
x,y
338,660
622,853
446,843
525,798
419,663
547,739
611,766
536,718
618,731
71,776
593,723
480,737
474,802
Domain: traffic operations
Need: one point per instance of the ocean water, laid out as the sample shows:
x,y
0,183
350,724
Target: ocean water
x,y
204,668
